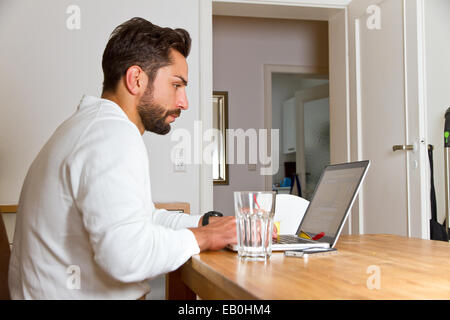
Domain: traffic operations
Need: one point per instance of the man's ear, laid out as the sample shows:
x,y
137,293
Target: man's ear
x,y
135,80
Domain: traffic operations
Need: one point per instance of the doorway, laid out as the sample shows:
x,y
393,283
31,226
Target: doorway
x,y
336,70
242,48
300,110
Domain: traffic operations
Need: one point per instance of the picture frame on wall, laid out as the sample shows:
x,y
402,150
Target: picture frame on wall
x,y
220,122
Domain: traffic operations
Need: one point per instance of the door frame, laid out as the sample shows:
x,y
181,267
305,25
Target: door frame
x,y
335,12
269,69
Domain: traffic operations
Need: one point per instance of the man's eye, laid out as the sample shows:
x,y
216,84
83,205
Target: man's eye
x,y
176,85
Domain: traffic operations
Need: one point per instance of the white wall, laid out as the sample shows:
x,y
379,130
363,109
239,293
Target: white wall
x,y
46,68
241,47
437,34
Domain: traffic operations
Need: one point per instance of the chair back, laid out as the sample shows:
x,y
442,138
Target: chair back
x,y
289,211
4,261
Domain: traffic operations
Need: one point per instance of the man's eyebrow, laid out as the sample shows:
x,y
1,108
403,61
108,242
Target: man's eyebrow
x,y
181,78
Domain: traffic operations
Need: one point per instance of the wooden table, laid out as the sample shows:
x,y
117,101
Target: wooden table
x,y
366,267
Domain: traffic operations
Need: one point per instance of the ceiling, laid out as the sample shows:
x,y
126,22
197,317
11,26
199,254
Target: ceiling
x,y
278,11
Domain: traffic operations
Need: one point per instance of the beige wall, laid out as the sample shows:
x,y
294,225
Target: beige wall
x,y
241,47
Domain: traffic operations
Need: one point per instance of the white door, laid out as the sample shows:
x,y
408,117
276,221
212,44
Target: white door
x,y
386,110
289,126
313,136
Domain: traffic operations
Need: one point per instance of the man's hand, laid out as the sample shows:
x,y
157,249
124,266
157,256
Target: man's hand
x,y
220,232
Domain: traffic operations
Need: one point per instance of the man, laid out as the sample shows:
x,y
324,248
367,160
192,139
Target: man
x,y
87,227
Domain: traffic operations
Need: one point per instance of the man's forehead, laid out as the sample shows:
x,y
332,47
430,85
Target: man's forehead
x,y
178,61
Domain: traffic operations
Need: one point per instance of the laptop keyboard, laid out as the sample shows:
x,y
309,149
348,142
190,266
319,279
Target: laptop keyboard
x,y
291,239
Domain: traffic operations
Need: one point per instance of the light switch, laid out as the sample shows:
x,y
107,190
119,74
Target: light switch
x,y
179,164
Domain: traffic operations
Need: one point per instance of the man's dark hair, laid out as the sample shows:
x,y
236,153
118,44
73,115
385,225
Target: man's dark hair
x,y
140,42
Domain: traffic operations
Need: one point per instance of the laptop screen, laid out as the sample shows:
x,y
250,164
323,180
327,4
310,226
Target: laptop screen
x,y
332,200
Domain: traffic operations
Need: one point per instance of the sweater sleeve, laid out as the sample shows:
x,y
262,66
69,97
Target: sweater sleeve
x,y
175,220
110,181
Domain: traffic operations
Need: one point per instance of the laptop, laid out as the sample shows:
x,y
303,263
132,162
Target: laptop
x,y
328,210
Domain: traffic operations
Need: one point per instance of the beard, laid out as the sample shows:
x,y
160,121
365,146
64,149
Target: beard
x,y
154,115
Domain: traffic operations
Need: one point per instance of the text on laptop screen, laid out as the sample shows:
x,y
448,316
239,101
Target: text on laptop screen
x,y
331,201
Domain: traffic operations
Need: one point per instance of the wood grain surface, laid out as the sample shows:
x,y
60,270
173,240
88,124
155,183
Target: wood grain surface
x,y
406,269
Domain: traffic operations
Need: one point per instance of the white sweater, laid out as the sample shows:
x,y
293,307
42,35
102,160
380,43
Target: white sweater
x,y
86,225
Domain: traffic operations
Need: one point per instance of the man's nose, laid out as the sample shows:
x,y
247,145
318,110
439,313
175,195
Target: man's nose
x,y
182,101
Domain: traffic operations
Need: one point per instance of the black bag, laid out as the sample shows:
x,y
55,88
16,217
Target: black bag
x,y
437,231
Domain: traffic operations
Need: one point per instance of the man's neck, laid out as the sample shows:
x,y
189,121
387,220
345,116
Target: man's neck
x,y
127,106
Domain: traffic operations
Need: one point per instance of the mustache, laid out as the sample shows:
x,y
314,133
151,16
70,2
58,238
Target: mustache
x,y
176,112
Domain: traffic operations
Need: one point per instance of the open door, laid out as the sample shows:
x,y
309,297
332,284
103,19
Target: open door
x,y
313,136
386,111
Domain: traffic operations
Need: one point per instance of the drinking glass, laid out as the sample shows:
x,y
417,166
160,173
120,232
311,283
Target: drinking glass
x,y
254,212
